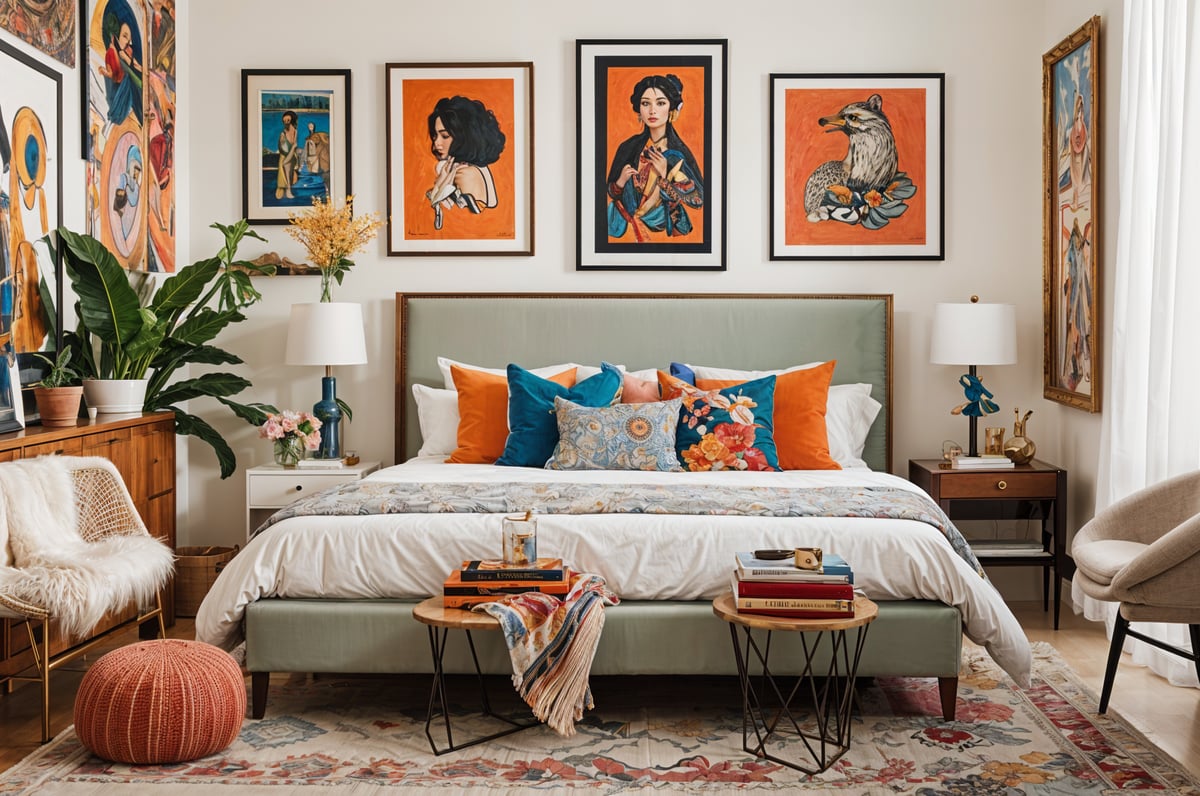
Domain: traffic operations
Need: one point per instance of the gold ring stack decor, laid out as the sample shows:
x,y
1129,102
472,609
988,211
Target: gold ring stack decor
x,y
161,701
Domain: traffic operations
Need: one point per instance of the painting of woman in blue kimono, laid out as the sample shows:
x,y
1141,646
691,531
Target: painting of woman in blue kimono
x,y
654,178
122,72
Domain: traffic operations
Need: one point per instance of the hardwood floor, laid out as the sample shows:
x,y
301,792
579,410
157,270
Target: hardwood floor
x,y
1169,716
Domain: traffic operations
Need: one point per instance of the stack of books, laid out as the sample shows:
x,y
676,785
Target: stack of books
x,y
780,588
982,463
488,581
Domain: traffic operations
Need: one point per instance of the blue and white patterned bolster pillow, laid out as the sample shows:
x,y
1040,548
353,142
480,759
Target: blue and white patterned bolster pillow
x,y
620,437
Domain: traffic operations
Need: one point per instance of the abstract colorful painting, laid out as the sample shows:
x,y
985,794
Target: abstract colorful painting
x,y
1071,291
295,140
31,203
48,25
129,130
651,154
459,152
856,167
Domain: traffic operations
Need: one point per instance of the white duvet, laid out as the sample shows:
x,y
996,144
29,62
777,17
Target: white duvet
x,y
641,556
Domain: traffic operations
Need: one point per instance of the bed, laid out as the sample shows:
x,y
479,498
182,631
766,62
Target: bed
x,y
320,593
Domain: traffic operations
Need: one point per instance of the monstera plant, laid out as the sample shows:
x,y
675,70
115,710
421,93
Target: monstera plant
x,y
131,327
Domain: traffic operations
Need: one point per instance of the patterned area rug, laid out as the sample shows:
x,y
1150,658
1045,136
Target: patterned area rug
x,y
361,736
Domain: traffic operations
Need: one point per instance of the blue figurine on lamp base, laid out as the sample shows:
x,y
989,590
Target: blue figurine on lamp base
x,y
330,414
977,405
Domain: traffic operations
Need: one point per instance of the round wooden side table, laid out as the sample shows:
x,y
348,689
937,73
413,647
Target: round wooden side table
x,y
825,736
430,612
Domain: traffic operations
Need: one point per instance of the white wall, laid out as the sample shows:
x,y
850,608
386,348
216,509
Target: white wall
x,y
992,61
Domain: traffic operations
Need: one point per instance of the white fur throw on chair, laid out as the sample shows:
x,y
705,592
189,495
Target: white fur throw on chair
x,y
76,570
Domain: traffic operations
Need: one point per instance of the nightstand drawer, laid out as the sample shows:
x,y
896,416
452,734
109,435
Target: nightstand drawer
x,y
276,491
999,485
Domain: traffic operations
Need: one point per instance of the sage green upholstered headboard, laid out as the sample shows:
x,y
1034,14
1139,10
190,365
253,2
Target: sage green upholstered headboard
x,y
753,332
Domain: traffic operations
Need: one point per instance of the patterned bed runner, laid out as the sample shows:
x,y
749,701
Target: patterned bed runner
x,y
379,497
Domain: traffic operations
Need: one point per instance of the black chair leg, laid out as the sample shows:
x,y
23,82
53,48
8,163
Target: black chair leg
x,y
1114,655
1194,632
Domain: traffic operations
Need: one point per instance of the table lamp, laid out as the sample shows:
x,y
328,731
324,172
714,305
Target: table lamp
x,y
974,334
328,333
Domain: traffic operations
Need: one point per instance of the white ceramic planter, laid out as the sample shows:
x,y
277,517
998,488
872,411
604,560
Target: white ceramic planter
x,y
115,396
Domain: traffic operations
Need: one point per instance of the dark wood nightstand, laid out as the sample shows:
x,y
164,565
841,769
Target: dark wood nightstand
x,y
1027,492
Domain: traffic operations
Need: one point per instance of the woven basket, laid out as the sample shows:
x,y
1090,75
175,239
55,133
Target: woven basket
x,y
196,569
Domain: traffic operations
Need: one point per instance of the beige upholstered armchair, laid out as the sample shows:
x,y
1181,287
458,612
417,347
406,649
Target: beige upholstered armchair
x,y
1144,553
72,550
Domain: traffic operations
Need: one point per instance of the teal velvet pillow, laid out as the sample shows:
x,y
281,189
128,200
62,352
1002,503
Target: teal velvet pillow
x,y
727,429
621,437
532,428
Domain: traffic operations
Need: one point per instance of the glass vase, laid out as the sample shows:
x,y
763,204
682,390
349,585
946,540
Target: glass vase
x,y
289,451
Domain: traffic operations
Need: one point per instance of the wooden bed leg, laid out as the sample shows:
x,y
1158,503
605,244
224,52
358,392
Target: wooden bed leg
x,y
948,688
259,684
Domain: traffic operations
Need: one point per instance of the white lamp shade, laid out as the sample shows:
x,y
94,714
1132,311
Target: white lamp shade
x,y
974,334
326,333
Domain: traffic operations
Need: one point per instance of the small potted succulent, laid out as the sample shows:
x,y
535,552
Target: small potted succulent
x,y
59,392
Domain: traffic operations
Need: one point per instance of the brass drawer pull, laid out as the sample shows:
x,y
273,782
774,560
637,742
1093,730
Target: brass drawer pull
x,y
1002,485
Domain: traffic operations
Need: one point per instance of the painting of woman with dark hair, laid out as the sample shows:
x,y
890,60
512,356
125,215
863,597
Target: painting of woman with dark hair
x,y
122,71
466,139
654,177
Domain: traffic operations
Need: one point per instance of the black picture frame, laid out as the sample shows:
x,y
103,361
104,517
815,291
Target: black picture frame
x,y
638,227
816,213
326,95
31,115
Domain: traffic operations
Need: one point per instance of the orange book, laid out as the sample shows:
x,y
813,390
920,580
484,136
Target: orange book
x,y
454,585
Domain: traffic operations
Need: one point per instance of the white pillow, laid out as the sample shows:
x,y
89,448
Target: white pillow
x,y
731,374
437,414
849,412
581,371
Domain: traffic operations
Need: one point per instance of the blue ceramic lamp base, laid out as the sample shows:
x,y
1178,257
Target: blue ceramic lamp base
x,y
326,410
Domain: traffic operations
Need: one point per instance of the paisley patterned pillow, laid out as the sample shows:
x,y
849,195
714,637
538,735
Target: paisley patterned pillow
x,y
620,437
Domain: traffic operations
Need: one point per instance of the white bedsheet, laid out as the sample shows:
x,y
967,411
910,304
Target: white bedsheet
x,y
642,556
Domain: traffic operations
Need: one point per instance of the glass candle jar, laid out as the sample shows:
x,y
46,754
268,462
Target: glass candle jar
x,y
520,539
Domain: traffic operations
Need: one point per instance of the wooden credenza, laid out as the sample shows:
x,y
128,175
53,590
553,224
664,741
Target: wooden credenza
x,y
143,449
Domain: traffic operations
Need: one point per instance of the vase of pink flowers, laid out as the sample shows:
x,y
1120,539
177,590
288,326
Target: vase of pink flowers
x,y
293,433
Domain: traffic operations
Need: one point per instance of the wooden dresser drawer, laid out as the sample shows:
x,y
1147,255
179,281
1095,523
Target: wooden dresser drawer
x,y
72,446
999,485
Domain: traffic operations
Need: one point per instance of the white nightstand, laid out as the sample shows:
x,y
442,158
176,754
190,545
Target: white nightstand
x,y
270,487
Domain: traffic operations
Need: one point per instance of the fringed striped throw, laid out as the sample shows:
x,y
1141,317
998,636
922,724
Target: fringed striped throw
x,y
552,643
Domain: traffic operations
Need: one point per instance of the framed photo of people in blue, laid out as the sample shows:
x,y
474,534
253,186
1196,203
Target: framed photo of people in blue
x,y
295,140
1073,220
651,153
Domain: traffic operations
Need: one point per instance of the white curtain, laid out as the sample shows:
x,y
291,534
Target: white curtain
x,y
1151,428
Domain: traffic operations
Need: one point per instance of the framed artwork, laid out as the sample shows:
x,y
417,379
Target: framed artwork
x,y
31,206
128,136
874,190
651,153
48,25
1071,236
295,140
459,158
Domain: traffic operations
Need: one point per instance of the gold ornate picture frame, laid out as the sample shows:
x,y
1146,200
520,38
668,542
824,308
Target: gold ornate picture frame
x,y
1071,140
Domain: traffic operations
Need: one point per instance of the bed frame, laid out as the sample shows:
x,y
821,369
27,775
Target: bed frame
x,y
910,638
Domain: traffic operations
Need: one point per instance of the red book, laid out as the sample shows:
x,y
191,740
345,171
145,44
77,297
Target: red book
x,y
810,591
782,614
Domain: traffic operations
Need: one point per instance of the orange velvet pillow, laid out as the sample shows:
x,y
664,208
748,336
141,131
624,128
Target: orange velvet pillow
x,y
483,413
800,398
638,391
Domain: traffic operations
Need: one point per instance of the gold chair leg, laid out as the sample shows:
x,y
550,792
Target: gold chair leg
x,y
41,661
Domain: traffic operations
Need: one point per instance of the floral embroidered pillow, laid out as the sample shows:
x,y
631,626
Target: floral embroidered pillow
x,y
725,429
618,437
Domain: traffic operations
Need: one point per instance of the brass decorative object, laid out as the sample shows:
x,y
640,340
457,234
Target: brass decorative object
x,y
1020,448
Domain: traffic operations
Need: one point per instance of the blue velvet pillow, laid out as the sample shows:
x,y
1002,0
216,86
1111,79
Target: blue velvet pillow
x,y
532,424
683,373
727,429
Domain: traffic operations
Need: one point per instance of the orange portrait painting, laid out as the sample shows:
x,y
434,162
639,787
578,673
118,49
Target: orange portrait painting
x,y
458,160
856,167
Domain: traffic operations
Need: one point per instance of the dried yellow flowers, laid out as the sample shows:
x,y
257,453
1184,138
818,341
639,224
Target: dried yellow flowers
x,y
330,236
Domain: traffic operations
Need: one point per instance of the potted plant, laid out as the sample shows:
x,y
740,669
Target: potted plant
x,y
148,335
59,392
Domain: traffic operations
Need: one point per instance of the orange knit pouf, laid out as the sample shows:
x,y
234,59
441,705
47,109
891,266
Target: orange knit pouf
x,y
162,701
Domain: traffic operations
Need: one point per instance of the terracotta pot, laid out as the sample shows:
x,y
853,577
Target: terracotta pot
x,y
58,406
